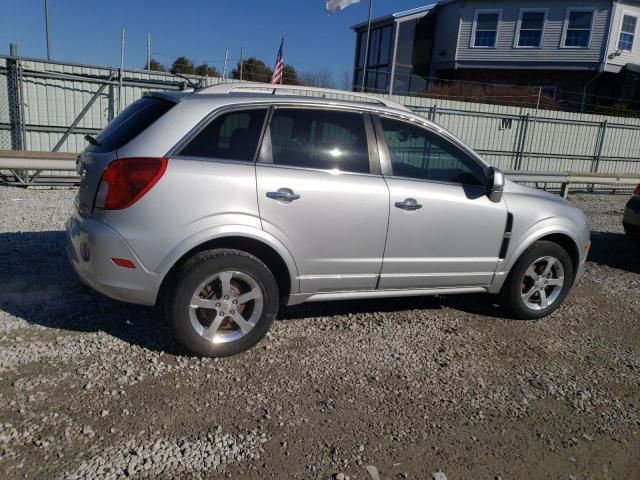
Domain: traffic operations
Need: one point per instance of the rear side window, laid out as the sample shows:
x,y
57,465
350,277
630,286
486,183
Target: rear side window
x,y
230,136
130,123
327,140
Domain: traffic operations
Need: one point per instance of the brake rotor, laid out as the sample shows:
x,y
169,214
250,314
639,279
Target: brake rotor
x,y
207,316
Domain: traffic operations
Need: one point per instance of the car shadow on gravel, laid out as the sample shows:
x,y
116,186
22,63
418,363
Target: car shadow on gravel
x,y
37,284
614,250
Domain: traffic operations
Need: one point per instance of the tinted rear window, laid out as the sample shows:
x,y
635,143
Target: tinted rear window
x,y
130,123
327,140
231,136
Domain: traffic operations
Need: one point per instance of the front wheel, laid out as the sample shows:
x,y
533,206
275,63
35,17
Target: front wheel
x,y
539,281
222,302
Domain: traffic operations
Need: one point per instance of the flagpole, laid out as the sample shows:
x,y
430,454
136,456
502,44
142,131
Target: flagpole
x,y
366,51
282,43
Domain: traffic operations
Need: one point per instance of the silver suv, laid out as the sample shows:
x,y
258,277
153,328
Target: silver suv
x,y
229,201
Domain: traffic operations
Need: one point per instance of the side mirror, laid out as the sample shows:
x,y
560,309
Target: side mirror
x,y
496,184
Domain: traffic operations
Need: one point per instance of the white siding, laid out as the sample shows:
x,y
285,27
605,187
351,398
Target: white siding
x,y
551,51
622,8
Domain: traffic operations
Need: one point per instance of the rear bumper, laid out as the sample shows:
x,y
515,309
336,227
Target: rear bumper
x,y
631,218
133,285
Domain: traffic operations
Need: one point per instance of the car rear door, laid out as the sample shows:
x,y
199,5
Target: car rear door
x,y
444,231
321,194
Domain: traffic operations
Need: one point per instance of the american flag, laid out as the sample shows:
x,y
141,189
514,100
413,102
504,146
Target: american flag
x,y
278,70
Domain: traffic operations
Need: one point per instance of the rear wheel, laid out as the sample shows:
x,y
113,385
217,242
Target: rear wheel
x,y
539,281
222,302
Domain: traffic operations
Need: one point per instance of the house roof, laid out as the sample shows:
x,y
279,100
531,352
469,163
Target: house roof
x,y
417,12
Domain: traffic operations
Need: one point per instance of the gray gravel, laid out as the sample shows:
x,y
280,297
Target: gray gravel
x,y
93,388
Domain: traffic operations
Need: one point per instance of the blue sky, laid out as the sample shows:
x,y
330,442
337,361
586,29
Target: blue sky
x,y
88,31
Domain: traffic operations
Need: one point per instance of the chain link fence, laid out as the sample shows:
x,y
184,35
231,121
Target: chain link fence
x,y
12,131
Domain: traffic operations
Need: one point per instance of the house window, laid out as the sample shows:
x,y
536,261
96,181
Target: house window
x,y
627,32
380,46
578,28
485,28
531,28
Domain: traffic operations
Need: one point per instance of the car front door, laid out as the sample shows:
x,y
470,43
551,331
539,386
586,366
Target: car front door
x,y
321,194
444,231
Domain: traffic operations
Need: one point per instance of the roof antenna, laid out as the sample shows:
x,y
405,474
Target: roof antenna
x,y
190,82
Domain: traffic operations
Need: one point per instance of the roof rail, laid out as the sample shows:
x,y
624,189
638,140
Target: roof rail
x,y
240,87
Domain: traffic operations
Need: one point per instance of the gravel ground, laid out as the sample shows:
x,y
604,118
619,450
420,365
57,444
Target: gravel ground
x,y
94,388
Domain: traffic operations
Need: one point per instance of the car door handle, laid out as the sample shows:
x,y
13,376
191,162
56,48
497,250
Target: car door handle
x,y
283,194
409,204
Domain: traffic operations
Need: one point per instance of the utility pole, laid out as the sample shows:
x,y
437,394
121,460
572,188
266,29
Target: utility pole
x,y
366,51
46,26
120,99
241,62
148,51
226,59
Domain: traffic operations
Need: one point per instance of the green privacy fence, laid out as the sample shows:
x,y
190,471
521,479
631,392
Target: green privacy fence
x,y
544,140
52,105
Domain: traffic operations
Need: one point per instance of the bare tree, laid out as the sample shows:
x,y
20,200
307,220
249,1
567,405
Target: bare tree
x,y
321,78
346,81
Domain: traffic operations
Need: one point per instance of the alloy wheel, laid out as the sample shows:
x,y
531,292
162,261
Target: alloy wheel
x,y
542,283
226,306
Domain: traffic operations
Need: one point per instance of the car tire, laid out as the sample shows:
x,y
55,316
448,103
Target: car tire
x,y
530,291
221,302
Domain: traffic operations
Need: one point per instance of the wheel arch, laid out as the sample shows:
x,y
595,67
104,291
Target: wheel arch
x,y
558,234
568,244
273,254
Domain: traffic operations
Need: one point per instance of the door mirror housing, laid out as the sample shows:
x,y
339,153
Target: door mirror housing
x,y
496,184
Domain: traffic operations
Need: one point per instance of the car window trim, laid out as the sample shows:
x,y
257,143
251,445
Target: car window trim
x,y
265,156
385,157
174,152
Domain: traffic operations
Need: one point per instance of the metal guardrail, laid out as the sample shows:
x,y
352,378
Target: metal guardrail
x,y
565,179
545,178
19,167
26,169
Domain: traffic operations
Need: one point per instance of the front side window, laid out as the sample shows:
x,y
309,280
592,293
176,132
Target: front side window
x,y
486,31
578,32
627,32
230,136
418,153
531,29
321,139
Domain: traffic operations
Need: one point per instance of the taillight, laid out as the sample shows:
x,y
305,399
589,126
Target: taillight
x,y
126,180
636,191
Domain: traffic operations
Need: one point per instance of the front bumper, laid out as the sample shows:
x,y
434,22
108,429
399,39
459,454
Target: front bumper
x,y
581,264
133,285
